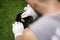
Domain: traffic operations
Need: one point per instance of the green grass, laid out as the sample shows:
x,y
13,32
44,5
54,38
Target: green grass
x,y
8,12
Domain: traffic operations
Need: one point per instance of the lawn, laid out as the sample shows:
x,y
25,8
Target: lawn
x,y
8,11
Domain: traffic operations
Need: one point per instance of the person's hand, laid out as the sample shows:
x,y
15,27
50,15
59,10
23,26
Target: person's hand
x,y
29,11
18,28
45,6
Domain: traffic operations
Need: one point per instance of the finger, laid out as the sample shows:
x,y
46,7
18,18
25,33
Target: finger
x,y
13,27
24,15
20,25
18,22
15,22
25,8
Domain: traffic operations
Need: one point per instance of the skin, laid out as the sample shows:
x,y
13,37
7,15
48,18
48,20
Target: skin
x,y
49,7
45,7
27,35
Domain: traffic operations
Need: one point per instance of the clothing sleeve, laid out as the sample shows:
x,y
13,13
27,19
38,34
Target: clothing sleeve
x,y
44,28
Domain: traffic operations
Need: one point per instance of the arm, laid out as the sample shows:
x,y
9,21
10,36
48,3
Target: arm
x,y
21,34
27,35
45,6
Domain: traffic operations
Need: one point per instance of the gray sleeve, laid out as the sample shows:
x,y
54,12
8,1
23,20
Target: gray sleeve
x,y
44,28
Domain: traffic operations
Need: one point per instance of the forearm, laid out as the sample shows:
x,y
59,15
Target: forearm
x,y
27,35
22,37
19,38
22,34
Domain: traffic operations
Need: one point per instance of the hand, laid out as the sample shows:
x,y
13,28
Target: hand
x,y
29,11
45,6
18,28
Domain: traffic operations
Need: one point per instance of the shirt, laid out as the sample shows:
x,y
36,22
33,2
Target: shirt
x,y
47,27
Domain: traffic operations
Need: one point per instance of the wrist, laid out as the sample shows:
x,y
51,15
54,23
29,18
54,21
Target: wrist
x,y
32,12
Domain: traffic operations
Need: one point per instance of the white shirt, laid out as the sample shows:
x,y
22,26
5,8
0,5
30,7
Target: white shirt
x,y
47,27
